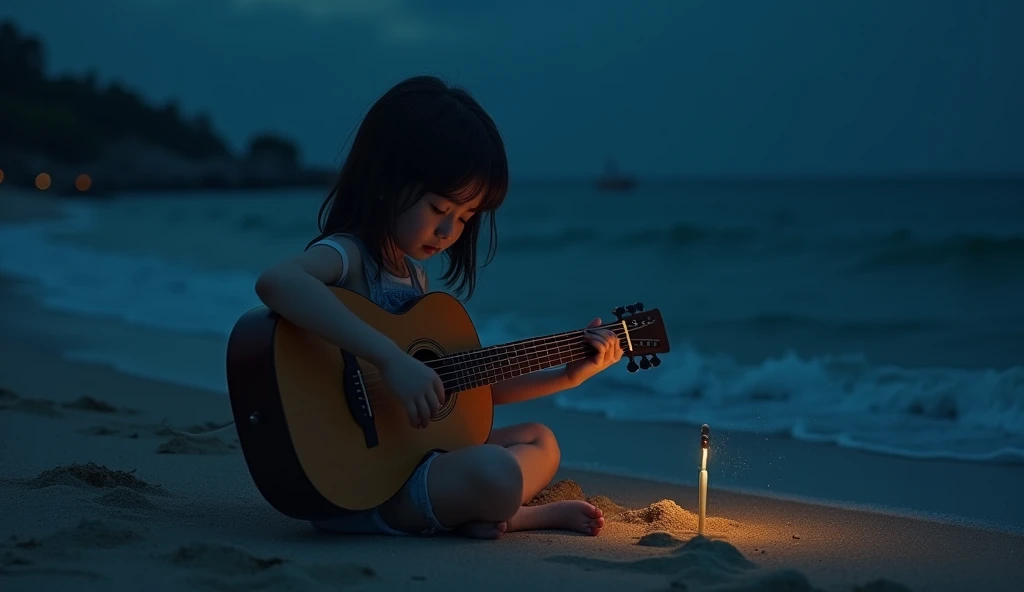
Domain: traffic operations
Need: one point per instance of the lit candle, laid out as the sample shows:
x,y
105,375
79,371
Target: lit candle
x,y
702,506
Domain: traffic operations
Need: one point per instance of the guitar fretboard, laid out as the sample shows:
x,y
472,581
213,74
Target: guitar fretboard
x,y
496,363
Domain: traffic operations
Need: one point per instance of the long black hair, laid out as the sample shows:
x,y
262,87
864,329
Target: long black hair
x,y
421,136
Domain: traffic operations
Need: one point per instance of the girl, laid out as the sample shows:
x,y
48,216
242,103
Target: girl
x,y
427,164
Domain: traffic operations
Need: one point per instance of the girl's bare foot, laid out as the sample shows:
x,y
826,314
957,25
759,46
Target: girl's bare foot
x,y
482,530
573,515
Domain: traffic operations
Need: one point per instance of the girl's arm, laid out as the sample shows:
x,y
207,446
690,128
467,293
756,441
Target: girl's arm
x,y
530,386
297,290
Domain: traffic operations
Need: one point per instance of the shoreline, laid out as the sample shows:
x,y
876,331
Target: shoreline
x,y
775,466
206,508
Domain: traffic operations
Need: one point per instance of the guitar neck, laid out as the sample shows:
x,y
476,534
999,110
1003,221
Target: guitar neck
x,y
490,365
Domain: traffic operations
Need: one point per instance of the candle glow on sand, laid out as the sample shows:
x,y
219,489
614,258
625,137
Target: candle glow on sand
x,y
702,481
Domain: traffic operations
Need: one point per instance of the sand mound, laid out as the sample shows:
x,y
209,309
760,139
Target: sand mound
x,y
223,567
122,497
92,475
86,535
101,431
699,560
12,559
566,489
45,407
606,505
95,534
665,515
90,404
7,396
668,516
659,538
15,556
226,559
50,554
881,586
181,445
785,580
196,430
702,564
16,562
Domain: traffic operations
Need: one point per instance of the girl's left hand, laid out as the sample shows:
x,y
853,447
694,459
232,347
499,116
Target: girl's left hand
x,y
609,351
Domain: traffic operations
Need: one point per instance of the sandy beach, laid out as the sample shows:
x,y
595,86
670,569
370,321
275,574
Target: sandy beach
x,y
99,495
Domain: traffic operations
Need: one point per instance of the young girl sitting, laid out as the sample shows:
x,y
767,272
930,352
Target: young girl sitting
x,y
426,166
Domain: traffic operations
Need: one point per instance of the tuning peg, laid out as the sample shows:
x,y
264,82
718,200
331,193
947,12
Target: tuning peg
x,y
644,363
618,311
655,360
631,366
630,309
639,306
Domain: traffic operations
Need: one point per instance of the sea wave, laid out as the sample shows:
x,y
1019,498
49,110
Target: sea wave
x,y
677,236
781,321
973,415
903,248
870,250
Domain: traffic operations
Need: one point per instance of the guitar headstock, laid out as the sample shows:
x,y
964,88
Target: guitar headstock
x,y
646,335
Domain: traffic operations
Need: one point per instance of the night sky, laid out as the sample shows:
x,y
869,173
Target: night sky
x,y
872,87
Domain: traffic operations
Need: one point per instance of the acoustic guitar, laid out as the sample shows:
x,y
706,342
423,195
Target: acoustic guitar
x,y
320,431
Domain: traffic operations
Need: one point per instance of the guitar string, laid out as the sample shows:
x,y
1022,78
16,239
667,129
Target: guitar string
x,y
467,380
573,353
450,363
378,398
493,354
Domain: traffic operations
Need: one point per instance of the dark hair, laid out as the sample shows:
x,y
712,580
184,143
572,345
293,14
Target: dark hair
x,y
422,136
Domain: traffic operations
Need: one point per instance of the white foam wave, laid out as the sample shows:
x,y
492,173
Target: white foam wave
x,y
844,400
139,289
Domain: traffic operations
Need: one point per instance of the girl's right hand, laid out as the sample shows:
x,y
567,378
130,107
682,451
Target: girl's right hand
x,y
416,385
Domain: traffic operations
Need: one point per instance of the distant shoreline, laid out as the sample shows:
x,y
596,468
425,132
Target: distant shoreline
x,y
66,180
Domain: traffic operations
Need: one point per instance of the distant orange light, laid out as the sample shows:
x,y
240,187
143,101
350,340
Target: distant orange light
x,y
83,182
1,175
43,181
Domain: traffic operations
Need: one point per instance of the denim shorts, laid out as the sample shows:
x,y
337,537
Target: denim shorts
x,y
371,522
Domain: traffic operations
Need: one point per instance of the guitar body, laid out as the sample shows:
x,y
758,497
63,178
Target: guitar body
x,y
313,448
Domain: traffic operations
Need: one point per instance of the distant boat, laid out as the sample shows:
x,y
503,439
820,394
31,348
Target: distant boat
x,y
613,180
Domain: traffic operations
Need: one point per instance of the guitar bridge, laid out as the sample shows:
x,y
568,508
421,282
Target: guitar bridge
x,y
358,399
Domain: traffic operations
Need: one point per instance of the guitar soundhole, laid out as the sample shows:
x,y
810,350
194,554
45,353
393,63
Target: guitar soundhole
x,y
426,351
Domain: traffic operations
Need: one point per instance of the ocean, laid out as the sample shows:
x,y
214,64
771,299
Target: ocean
x,y
880,315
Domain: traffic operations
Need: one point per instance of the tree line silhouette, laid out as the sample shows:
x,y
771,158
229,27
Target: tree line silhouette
x,y
72,118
